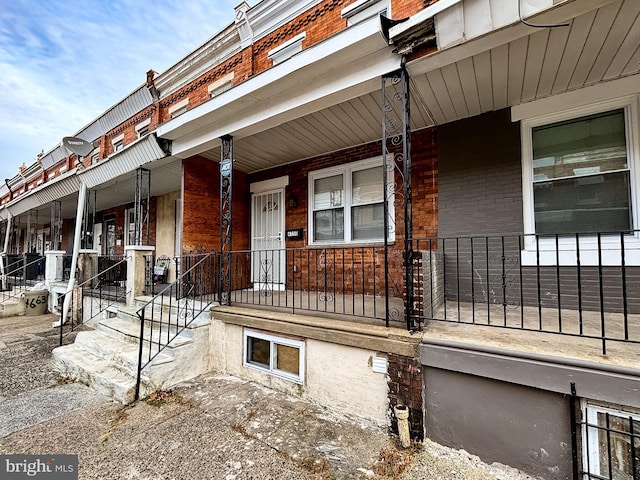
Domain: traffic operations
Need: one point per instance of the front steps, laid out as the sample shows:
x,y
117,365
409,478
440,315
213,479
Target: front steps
x,y
106,358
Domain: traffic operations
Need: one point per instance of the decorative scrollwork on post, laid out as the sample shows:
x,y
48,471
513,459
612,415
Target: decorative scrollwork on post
x,y
226,184
396,154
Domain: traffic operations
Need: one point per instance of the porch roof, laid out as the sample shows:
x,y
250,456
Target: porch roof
x,y
328,97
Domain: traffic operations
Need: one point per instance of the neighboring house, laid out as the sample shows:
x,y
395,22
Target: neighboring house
x,y
469,249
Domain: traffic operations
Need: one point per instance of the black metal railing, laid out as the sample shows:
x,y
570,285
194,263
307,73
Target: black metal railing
x,y
336,280
93,296
21,273
172,310
585,285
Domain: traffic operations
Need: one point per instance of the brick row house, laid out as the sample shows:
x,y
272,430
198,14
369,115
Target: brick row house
x,y
377,205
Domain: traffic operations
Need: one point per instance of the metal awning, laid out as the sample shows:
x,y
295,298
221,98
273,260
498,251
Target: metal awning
x,y
55,189
134,156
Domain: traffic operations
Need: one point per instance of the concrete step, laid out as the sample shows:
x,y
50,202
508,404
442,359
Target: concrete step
x,y
103,376
118,352
128,330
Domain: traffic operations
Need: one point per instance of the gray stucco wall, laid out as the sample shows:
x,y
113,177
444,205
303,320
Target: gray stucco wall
x,y
520,426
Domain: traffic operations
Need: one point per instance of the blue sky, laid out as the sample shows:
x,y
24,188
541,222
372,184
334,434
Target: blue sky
x,y
64,62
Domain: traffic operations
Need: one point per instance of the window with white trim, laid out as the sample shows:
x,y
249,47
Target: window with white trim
x,y
610,443
346,203
581,175
579,170
580,178
142,128
118,142
130,227
279,356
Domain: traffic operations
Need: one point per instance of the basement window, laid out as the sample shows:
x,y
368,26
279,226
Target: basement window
x,y
282,357
610,443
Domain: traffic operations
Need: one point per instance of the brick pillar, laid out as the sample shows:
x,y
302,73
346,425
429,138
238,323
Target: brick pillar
x,y
405,388
136,270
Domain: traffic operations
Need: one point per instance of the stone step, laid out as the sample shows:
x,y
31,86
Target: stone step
x,y
118,352
106,378
128,330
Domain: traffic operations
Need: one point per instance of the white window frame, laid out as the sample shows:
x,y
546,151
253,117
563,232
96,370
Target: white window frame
x,y
287,49
142,128
127,226
274,340
567,248
118,143
590,446
179,108
346,171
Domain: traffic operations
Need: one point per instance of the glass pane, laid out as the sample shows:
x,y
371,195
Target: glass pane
x,y
585,146
367,222
367,186
598,203
288,359
328,224
616,447
258,351
327,192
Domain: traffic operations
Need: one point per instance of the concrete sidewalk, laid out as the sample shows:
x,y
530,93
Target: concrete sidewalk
x,y
214,427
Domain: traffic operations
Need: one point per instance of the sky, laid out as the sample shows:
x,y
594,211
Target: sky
x,y
64,62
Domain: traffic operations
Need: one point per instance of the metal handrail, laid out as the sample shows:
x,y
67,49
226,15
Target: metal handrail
x,y
14,273
187,312
82,285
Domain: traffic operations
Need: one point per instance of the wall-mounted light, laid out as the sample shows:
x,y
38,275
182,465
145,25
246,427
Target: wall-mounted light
x,y
293,201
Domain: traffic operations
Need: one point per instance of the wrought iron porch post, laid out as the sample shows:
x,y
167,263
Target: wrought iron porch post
x,y
226,185
396,154
141,206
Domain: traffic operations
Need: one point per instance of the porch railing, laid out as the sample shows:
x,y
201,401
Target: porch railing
x,y
336,280
20,273
585,285
176,306
95,295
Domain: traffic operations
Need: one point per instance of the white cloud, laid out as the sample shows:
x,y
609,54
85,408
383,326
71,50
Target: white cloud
x,y
63,63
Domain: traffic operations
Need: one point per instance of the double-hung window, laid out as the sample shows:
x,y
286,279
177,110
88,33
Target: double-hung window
x,y
580,181
581,175
347,203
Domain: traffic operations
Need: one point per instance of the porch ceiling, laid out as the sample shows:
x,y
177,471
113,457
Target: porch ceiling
x,y
598,46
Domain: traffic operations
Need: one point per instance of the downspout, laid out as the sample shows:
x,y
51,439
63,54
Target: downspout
x,y
4,250
82,194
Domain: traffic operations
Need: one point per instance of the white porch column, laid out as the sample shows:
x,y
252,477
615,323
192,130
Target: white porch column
x,y
136,270
53,267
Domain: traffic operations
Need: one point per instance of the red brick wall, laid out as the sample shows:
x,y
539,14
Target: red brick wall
x,y
201,207
363,270
319,23
405,8
405,388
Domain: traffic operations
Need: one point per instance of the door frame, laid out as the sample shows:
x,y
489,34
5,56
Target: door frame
x,y
274,185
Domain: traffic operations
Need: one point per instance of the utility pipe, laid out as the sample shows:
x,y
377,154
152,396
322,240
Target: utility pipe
x,y
402,415
82,194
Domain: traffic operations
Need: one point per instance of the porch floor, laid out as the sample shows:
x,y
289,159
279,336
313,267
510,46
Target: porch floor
x,y
545,331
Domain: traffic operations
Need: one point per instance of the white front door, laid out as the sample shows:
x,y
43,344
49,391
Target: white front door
x,y
267,239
